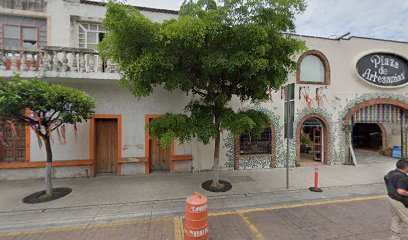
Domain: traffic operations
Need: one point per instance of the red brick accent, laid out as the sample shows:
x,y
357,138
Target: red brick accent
x,y
326,64
326,132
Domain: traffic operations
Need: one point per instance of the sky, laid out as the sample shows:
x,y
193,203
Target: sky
x,y
385,19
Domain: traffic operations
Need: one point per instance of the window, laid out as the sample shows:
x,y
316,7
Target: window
x,y
291,90
17,37
313,68
13,149
251,145
90,35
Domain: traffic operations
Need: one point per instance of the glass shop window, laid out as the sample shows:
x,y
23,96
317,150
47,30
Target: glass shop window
x,y
251,145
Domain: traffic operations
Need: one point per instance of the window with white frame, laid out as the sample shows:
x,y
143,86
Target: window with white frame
x,y
90,34
17,37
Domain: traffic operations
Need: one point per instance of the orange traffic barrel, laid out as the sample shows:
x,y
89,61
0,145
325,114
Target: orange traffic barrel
x,y
196,227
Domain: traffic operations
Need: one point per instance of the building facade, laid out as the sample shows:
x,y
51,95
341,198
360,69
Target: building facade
x,y
337,90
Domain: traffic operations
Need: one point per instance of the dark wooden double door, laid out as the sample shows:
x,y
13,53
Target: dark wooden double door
x,y
106,145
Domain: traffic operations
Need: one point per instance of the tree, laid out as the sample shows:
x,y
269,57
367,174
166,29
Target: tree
x,y
45,107
213,51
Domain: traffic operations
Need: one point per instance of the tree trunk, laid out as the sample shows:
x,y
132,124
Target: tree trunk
x,y
216,168
48,168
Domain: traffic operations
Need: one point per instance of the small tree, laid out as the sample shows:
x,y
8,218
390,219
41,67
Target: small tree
x,y
214,50
44,107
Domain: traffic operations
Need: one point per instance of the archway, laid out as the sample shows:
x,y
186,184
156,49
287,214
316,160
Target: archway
x,y
313,140
387,113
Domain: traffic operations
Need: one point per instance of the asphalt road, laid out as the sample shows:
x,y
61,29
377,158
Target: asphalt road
x,y
365,217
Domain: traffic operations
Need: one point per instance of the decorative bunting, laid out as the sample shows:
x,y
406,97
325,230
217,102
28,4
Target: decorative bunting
x,y
381,113
63,133
75,132
39,140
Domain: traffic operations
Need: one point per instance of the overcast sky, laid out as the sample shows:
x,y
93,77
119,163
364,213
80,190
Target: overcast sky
x,y
386,19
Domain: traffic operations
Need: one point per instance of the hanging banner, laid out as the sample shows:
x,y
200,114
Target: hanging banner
x,y
383,69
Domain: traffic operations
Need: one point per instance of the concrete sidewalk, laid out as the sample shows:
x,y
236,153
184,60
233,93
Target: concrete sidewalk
x,y
107,190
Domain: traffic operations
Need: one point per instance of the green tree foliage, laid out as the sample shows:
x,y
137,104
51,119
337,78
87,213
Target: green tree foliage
x,y
44,107
214,50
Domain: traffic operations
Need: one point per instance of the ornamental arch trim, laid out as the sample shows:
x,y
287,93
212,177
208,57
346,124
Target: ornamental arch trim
x,y
361,102
277,156
326,132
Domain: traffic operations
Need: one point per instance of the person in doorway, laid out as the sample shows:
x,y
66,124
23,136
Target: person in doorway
x,y
396,182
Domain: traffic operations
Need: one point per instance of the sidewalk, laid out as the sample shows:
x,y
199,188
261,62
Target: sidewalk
x,y
113,198
164,186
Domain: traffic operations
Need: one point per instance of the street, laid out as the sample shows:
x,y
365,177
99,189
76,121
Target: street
x,y
351,218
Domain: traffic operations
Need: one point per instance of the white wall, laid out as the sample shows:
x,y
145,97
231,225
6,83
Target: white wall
x,y
63,30
112,99
393,133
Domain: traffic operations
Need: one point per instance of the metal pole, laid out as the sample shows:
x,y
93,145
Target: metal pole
x,y
287,135
403,153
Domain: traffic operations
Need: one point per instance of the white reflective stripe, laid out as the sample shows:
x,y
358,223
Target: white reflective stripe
x,y
199,209
199,233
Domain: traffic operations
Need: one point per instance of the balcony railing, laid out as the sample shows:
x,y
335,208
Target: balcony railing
x,y
56,61
27,5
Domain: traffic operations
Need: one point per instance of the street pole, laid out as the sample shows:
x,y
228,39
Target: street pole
x,y
287,134
403,133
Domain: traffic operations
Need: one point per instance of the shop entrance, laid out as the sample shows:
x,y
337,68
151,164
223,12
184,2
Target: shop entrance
x,y
367,136
376,135
312,142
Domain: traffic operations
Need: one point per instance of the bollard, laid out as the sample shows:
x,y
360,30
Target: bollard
x,y
316,188
196,226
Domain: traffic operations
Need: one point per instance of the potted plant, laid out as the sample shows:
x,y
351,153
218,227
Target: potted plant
x,y
388,152
381,151
306,143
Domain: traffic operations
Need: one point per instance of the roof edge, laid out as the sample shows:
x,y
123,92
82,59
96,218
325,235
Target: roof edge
x,y
349,38
147,9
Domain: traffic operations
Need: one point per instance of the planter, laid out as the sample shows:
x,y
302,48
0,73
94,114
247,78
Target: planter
x,y
388,152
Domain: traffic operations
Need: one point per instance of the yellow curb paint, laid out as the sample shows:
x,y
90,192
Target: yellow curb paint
x,y
178,228
258,235
72,228
64,229
312,204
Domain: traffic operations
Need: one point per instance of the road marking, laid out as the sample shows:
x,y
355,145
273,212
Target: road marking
x,y
101,225
308,204
178,228
258,235
72,228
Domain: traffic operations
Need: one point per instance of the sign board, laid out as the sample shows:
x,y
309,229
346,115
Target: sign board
x,y
383,69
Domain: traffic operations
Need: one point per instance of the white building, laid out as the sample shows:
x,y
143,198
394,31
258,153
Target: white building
x,y
334,106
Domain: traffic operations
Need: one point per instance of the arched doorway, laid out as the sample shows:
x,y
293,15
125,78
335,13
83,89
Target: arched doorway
x,y
312,140
372,116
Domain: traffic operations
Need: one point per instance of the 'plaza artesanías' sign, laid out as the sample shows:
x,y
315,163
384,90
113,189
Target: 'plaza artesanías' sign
x,y
383,69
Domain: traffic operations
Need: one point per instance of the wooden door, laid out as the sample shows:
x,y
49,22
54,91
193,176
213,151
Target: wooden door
x,y
106,145
14,148
159,156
